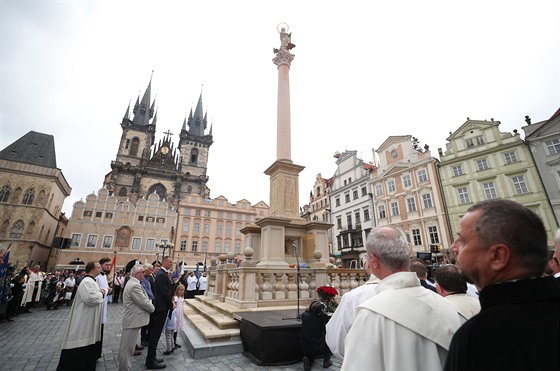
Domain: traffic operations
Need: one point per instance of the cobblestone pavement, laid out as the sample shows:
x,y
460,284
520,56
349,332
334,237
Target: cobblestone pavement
x,y
31,341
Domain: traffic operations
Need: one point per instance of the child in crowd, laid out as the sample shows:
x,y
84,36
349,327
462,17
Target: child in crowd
x,y
178,299
174,321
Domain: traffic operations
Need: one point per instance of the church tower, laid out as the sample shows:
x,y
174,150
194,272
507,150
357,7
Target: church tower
x,y
143,167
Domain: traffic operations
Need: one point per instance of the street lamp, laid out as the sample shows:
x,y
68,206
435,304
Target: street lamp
x,y
164,245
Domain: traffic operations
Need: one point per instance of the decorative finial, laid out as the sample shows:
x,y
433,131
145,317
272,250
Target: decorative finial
x,y
285,38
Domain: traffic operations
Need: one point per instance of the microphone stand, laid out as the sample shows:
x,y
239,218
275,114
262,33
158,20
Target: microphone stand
x,y
298,280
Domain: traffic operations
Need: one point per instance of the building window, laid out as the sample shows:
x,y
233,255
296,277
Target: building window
x,y
364,191
136,243
411,204
140,218
510,157
5,193
394,208
519,184
160,220
337,201
347,197
339,222
463,195
17,229
237,248
88,213
489,190
76,239
434,235
204,246
416,237
219,229
187,211
378,190
206,228
366,215
196,227
457,170
194,246
479,140
183,245
28,197
207,213
197,212
422,177
349,221
553,147
355,194
482,164
91,240
98,214
185,226
150,219
122,192
134,146
357,217
237,231
227,247
150,244
406,181
470,143
391,185
427,199
228,230
218,247
107,242
108,215
382,213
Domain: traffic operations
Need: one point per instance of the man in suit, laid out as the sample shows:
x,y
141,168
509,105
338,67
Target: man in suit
x,y
136,313
163,304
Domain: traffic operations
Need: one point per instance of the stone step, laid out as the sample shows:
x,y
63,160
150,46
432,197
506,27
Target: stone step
x,y
204,339
219,318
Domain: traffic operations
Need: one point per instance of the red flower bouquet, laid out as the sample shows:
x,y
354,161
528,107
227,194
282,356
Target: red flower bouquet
x,y
326,295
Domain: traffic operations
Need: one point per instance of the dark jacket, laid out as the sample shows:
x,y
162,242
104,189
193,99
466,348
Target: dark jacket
x,y
518,328
162,292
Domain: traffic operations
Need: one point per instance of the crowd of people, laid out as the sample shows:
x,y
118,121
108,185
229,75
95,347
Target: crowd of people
x,y
496,307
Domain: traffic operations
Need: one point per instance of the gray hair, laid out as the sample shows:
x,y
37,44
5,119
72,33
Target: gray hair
x,y
389,245
136,269
148,266
557,236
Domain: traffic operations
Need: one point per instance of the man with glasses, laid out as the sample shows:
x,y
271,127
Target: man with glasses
x,y
137,307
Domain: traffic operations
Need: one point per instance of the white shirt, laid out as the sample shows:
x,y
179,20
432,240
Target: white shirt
x,y
203,283
403,327
341,322
191,283
70,282
101,280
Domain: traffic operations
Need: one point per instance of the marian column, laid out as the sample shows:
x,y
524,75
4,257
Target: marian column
x,y
284,193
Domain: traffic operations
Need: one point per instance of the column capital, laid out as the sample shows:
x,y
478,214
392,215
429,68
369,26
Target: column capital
x,y
283,57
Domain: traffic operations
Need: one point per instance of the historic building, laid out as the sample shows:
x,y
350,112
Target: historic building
x,y
543,139
32,192
318,208
143,167
211,227
481,162
407,194
102,226
351,208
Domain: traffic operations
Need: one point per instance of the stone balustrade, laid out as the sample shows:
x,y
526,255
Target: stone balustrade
x,y
250,286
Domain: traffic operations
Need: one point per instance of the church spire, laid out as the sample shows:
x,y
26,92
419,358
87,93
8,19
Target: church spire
x,y
143,112
197,122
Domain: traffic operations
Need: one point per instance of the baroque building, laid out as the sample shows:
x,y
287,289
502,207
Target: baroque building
x,y
143,167
32,192
481,162
211,227
351,209
407,194
543,139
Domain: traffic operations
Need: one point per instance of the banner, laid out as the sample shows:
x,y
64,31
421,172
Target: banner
x,y
197,273
111,275
183,267
204,262
176,273
4,276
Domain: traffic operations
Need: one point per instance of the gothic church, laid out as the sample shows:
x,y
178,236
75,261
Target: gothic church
x,y
142,168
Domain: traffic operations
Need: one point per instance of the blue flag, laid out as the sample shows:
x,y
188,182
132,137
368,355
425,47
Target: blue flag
x,y
176,274
197,273
4,276
204,263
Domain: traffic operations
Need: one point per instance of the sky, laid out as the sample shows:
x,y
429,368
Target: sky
x,y
363,71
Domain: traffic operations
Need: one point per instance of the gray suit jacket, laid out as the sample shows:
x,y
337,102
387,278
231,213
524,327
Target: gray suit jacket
x,y
137,305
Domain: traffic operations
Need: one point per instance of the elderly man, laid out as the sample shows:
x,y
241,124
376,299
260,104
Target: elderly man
x,y
147,285
83,326
453,287
136,313
404,326
502,247
34,287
